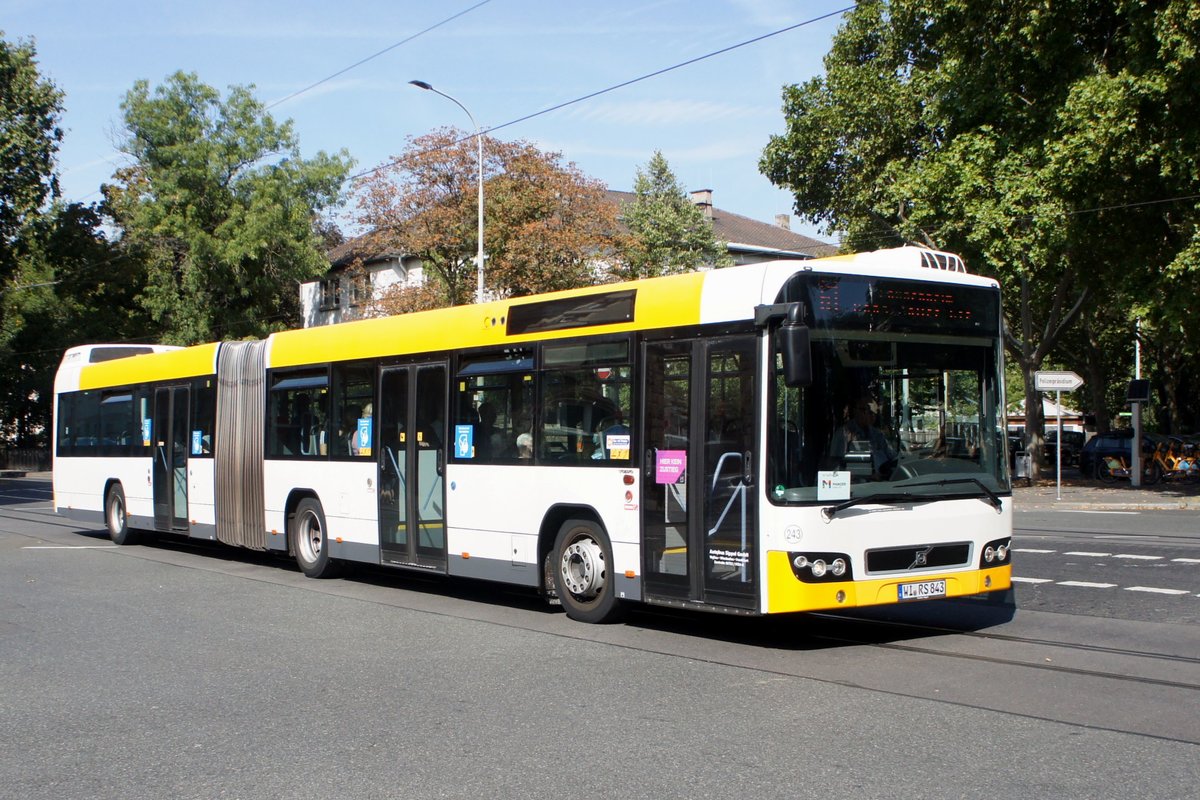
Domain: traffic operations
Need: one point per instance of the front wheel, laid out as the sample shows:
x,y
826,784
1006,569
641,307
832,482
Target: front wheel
x,y
309,541
583,574
115,518
1104,470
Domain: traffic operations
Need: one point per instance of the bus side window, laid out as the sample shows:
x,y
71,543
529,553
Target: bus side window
x,y
493,406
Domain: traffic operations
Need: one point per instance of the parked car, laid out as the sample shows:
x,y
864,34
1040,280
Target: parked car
x,y
1073,442
1114,443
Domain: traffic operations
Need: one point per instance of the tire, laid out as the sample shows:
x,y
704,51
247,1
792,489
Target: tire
x,y
1103,471
1151,474
308,537
583,574
115,518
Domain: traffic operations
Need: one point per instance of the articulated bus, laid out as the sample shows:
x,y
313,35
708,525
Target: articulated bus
x,y
778,437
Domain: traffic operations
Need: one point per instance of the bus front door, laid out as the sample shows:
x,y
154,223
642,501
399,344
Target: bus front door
x,y
412,498
170,440
698,487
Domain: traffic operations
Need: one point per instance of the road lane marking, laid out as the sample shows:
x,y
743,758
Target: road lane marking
x,y
1031,550
1087,584
1154,590
1085,553
1139,558
1016,579
1185,560
1085,511
71,547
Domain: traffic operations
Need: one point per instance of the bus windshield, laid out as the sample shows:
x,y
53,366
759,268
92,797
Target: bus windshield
x,y
906,396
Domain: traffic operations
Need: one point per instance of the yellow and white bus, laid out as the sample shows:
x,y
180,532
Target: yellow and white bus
x,y
786,436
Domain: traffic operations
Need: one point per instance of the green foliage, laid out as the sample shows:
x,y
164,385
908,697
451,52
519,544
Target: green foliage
x,y
1038,140
668,233
220,207
30,107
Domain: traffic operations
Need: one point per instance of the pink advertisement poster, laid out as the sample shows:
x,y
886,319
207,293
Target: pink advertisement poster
x,y
670,466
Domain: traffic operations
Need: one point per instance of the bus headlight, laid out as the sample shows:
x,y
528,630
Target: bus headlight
x,y
995,553
820,567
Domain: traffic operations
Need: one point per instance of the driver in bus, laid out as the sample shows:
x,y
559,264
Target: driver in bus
x,y
860,434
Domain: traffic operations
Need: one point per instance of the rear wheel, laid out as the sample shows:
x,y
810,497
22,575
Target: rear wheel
x,y
583,572
1104,471
115,518
309,542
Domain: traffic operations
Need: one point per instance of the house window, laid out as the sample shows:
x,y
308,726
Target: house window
x,y
331,293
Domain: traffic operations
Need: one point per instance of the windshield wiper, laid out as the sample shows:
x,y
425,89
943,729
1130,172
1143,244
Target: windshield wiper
x,y
883,497
988,496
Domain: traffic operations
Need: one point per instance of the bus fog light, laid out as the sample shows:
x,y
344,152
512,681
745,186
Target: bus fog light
x,y
800,562
989,555
838,567
818,568
1002,552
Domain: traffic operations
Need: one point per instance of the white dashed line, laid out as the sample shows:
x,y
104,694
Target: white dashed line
x,y
1016,579
1085,553
1088,584
1185,560
1031,550
72,547
1155,591
1139,558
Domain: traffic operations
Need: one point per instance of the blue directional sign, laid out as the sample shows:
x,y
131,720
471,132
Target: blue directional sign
x,y
363,440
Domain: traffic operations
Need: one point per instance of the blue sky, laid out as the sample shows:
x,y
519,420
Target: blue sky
x,y
504,60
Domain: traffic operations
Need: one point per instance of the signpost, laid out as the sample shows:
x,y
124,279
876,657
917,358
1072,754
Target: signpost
x,y
1057,381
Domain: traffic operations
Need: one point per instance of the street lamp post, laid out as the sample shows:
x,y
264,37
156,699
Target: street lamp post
x,y
478,138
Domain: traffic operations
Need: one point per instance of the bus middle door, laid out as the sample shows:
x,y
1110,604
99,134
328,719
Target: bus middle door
x,y
170,478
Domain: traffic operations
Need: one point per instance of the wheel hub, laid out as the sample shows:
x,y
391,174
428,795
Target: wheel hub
x,y
582,568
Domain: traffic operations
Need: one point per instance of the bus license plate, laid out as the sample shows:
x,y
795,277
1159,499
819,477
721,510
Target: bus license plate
x,y
923,590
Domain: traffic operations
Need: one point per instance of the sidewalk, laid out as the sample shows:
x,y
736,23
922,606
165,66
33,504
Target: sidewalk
x,y
1080,493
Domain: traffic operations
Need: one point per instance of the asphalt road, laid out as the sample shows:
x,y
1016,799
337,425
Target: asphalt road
x,y
193,671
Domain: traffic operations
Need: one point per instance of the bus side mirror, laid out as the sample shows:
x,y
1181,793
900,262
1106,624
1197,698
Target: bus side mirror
x,y
793,345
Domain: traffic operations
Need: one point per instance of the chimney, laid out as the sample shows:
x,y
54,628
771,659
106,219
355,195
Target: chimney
x,y
703,198
784,221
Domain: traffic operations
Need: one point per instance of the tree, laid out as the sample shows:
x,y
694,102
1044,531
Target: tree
x,y
221,208
546,224
30,107
669,234
997,129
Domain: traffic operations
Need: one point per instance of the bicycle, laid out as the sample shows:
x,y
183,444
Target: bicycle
x,y
1110,468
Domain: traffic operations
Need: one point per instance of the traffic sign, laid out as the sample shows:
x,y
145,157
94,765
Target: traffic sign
x,y
1056,381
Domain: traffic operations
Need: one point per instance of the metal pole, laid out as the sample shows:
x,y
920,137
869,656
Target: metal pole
x,y
479,139
1135,447
1058,449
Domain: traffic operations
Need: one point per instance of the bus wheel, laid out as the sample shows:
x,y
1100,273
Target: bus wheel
x,y
115,519
309,541
583,572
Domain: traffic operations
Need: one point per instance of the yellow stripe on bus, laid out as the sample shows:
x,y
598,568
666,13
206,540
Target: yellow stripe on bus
x,y
172,365
661,303
785,592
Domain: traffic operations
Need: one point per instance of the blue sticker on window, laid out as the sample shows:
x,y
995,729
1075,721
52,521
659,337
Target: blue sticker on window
x,y
146,431
464,441
363,440
197,442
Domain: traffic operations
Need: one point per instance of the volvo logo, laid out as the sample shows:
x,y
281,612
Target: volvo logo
x,y
921,558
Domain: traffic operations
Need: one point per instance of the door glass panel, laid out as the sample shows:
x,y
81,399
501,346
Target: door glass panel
x,y
666,423
393,440
180,441
429,427
162,458
728,469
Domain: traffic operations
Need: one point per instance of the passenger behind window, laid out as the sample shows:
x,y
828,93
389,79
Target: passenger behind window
x,y
525,446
